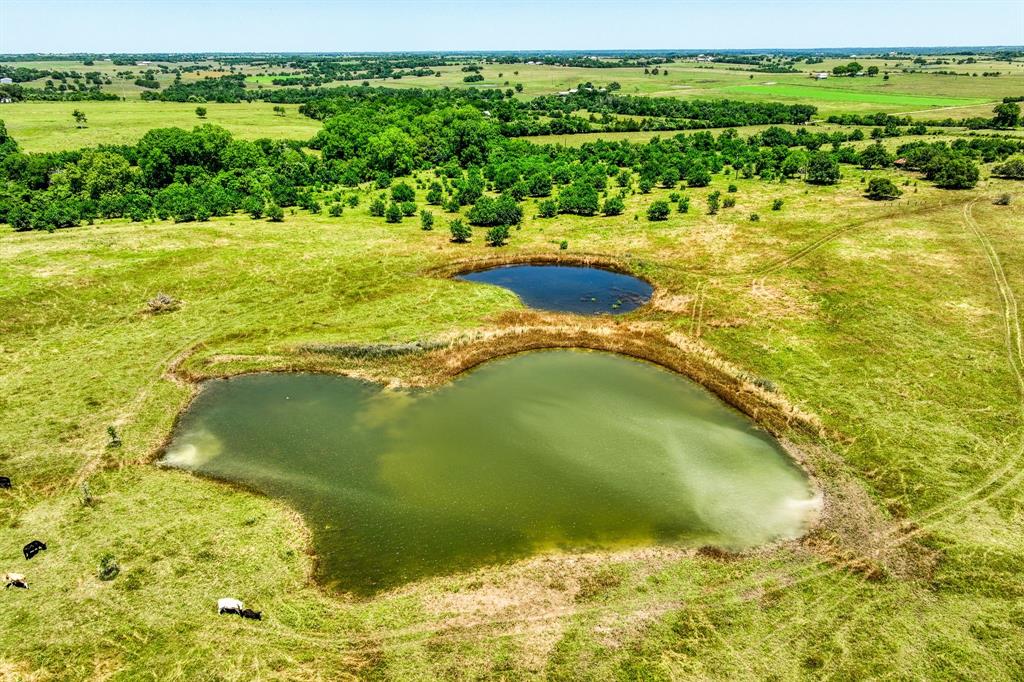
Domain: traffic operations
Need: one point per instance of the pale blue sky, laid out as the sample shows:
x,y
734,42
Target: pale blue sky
x,y
356,25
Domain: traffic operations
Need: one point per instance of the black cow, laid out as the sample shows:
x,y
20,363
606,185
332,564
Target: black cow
x,y
33,548
253,615
5,482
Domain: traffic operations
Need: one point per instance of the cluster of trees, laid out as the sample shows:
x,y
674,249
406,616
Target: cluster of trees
x,y
376,135
171,173
20,93
1005,115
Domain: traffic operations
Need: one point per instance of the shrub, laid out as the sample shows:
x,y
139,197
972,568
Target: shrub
x,y
378,207
460,231
728,202
645,185
336,210
109,568
732,189
497,235
547,208
393,214
275,213
1012,169
162,303
684,205
1002,200
434,194
402,192
353,200
714,201
426,220
754,218
777,205
563,245
408,208
882,188
658,211
501,211
253,205
613,206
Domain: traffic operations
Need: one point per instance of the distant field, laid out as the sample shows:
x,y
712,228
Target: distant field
x,y
48,126
835,94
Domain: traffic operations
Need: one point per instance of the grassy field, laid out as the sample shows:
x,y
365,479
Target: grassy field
x,y
894,324
910,92
776,91
919,91
49,126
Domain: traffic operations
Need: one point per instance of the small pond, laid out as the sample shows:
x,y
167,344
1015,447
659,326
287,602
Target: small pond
x,y
569,289
561,449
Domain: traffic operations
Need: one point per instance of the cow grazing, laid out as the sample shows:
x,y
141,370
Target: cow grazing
x,y
252,615
15,580
5,482
33,548
229,605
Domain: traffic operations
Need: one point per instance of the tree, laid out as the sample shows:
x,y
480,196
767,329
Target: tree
x,y
461,232
279,110
881,189
1007,115
80,118
426,220
822,169
497,235
201,112
875,156
580,198
956,173
658,210
872,70
698,176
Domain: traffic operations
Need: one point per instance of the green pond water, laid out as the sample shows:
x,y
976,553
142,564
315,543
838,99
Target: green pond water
x,y
546,450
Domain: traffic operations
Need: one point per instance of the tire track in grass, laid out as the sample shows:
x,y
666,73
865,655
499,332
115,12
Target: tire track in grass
x,y
1014,340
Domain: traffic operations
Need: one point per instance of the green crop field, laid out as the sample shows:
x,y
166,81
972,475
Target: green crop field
x,y
833,94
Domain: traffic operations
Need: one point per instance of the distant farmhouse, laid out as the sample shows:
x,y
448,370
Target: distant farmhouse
x,y
819,75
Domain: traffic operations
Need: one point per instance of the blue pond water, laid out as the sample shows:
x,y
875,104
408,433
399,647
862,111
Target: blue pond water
x,y
569,289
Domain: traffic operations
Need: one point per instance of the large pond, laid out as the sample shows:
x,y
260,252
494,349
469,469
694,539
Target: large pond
x,y
571,289
561,449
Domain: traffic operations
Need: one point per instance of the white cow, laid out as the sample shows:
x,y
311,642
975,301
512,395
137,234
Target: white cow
x,y
14,580
229,605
